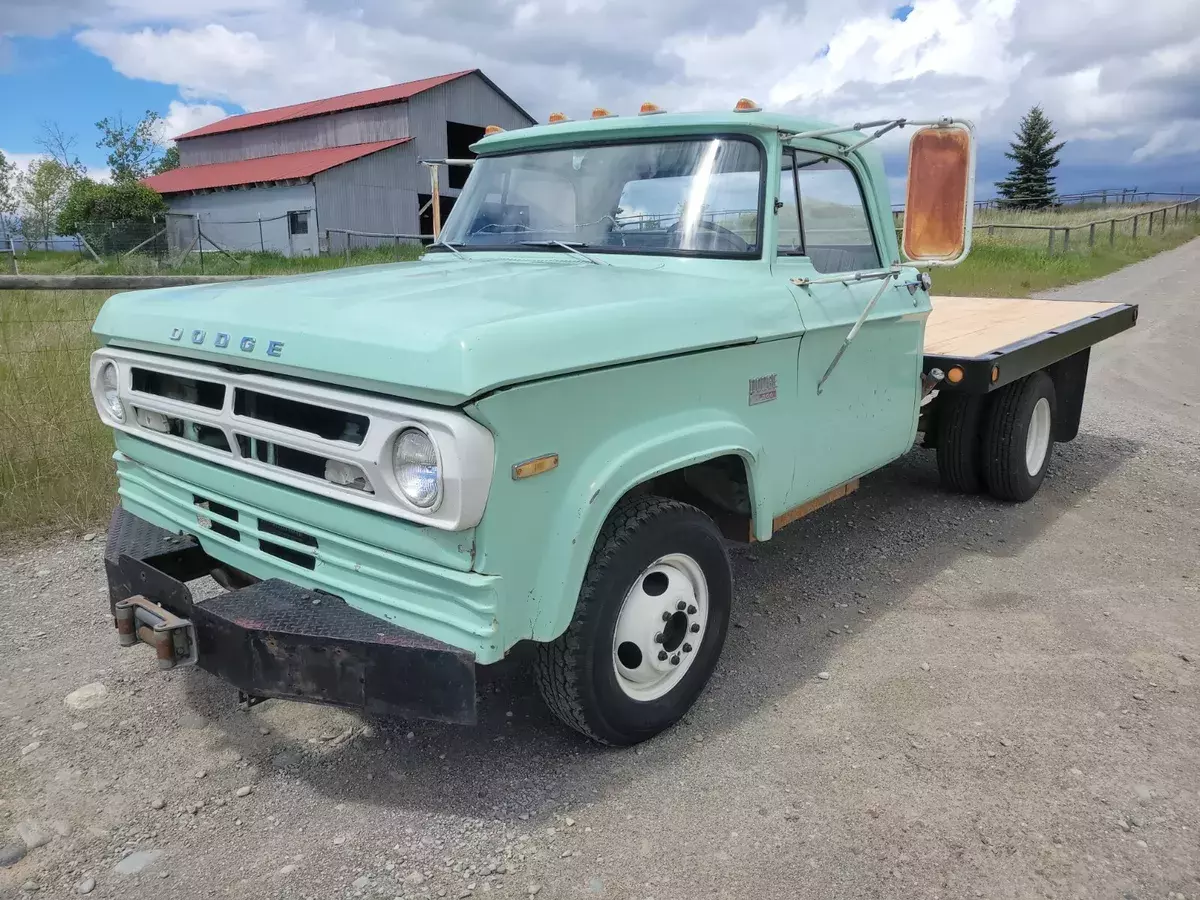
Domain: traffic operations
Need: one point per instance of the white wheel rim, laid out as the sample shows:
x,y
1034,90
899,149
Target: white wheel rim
x,y
1037,441
665,613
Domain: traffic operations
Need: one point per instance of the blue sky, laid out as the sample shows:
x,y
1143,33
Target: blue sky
x,y
1121,81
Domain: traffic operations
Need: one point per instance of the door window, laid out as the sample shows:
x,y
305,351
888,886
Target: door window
x,y
837,231
790,241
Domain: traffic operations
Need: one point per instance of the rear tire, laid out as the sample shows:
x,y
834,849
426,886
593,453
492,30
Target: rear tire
x,y
959,441
1019,438
605,676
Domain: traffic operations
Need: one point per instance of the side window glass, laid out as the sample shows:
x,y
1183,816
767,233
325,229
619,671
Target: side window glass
x,y
837,231
790,241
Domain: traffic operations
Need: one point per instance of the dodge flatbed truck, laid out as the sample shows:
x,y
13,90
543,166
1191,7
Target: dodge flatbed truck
x,y
634,340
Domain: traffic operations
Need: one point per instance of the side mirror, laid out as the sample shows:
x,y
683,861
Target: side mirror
x,y
940,202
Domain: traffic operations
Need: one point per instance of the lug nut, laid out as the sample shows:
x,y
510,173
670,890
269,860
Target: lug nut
x,y
681,606
662,654
675,660
695,627
658,638
691,610
687,648
666,617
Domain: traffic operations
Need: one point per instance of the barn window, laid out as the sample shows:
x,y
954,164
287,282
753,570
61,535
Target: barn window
x,y
298,221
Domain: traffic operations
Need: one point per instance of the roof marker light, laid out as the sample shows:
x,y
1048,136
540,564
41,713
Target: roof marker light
x,y
601,113
492,129
746,105
557,117
650,109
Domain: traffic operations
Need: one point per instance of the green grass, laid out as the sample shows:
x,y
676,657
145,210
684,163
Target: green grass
x,y
997,268
40,263
55,456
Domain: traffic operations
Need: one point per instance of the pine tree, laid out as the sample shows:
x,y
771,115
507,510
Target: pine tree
x,y
1030,185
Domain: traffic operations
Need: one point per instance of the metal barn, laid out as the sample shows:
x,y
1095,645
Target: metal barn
x,y
288,179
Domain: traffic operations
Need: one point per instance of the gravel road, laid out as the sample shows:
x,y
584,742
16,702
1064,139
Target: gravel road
x,y
1012,710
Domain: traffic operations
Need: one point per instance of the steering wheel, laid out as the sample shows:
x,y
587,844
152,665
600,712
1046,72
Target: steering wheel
x,y
719,233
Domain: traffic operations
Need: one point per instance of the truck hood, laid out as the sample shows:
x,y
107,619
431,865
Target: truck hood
x,y
445,330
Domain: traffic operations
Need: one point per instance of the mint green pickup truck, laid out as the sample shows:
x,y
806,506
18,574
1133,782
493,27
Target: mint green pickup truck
x,y
635,340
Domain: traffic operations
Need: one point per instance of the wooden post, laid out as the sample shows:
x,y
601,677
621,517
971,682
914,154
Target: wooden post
x,y
1135,221
1050,246
83,241
437,202
1092,234
262,247
991,230
1066,239
347,247
1112,232
1150,225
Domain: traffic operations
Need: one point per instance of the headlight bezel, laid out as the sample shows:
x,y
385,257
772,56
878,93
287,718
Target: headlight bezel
x,y
393,448
100,391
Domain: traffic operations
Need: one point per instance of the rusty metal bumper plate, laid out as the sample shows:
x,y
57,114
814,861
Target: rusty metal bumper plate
x,y
275,639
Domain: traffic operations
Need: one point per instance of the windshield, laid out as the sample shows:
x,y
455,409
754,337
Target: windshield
x,y
695,196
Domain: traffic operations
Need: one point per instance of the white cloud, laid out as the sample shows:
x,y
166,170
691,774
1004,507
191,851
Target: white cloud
x,y
1122,78
183,117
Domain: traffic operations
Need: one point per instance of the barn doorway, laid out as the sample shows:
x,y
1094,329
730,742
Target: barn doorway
x,y
425,212
459,138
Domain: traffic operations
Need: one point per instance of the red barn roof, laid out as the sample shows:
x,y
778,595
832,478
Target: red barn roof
x,y
372,97
265,168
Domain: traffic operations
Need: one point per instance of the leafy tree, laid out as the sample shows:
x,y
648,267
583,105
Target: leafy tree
x,y
41,194
1030,184
91,209
8,192
168,161
133,147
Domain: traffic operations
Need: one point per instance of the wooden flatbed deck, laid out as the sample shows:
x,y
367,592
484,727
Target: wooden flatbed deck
x,y
996,341
976,326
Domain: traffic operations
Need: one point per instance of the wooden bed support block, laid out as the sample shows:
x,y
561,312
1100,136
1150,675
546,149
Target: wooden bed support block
x,y
799,512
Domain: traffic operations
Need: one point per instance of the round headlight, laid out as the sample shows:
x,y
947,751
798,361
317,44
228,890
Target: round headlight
x,y
110,390
414,459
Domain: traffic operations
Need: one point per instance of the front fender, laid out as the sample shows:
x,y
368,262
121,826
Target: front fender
x,y
614,468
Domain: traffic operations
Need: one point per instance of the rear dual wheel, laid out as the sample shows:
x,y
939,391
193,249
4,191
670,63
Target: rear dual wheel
x,y
1002,441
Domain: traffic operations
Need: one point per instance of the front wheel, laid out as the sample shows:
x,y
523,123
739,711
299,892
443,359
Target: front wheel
x,y
649,626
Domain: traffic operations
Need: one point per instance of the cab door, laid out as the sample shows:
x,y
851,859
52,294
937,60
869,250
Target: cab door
x,y
864,414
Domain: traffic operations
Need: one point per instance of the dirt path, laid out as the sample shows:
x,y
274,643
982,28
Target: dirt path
x,y
1013,710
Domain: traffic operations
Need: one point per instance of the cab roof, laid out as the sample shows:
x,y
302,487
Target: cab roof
x,y
639,126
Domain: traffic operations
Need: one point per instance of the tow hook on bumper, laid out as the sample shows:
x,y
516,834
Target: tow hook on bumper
x,y
173,638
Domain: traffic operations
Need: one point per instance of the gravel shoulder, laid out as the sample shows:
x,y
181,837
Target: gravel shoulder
x,y
1011,710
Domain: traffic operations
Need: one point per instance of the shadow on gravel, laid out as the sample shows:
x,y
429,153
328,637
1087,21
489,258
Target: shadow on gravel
x,y
873,550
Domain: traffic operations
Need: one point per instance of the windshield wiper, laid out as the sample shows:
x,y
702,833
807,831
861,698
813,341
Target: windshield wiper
x,y
573,247
449,247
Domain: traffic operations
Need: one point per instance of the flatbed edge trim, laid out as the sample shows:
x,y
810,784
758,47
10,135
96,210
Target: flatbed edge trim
x,y
1036,352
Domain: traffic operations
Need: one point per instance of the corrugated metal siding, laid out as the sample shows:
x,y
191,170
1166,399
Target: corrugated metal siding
x,y
469,100
353,126
230,218
374,193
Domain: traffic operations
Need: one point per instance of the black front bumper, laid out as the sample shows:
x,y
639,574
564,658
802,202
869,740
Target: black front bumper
x,y
276,639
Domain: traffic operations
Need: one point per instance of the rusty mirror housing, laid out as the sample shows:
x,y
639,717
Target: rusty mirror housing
x,y
940,202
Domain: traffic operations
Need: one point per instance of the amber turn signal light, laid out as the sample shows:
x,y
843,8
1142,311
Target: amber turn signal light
x,y
955,375
532,467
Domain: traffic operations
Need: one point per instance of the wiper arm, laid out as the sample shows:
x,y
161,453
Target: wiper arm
x,y
449,247
573,247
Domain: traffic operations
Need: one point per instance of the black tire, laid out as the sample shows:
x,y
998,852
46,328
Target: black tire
x,y
575,672
960,441
1005,469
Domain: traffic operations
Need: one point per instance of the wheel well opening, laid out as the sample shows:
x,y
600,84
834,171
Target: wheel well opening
x,y
719,487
